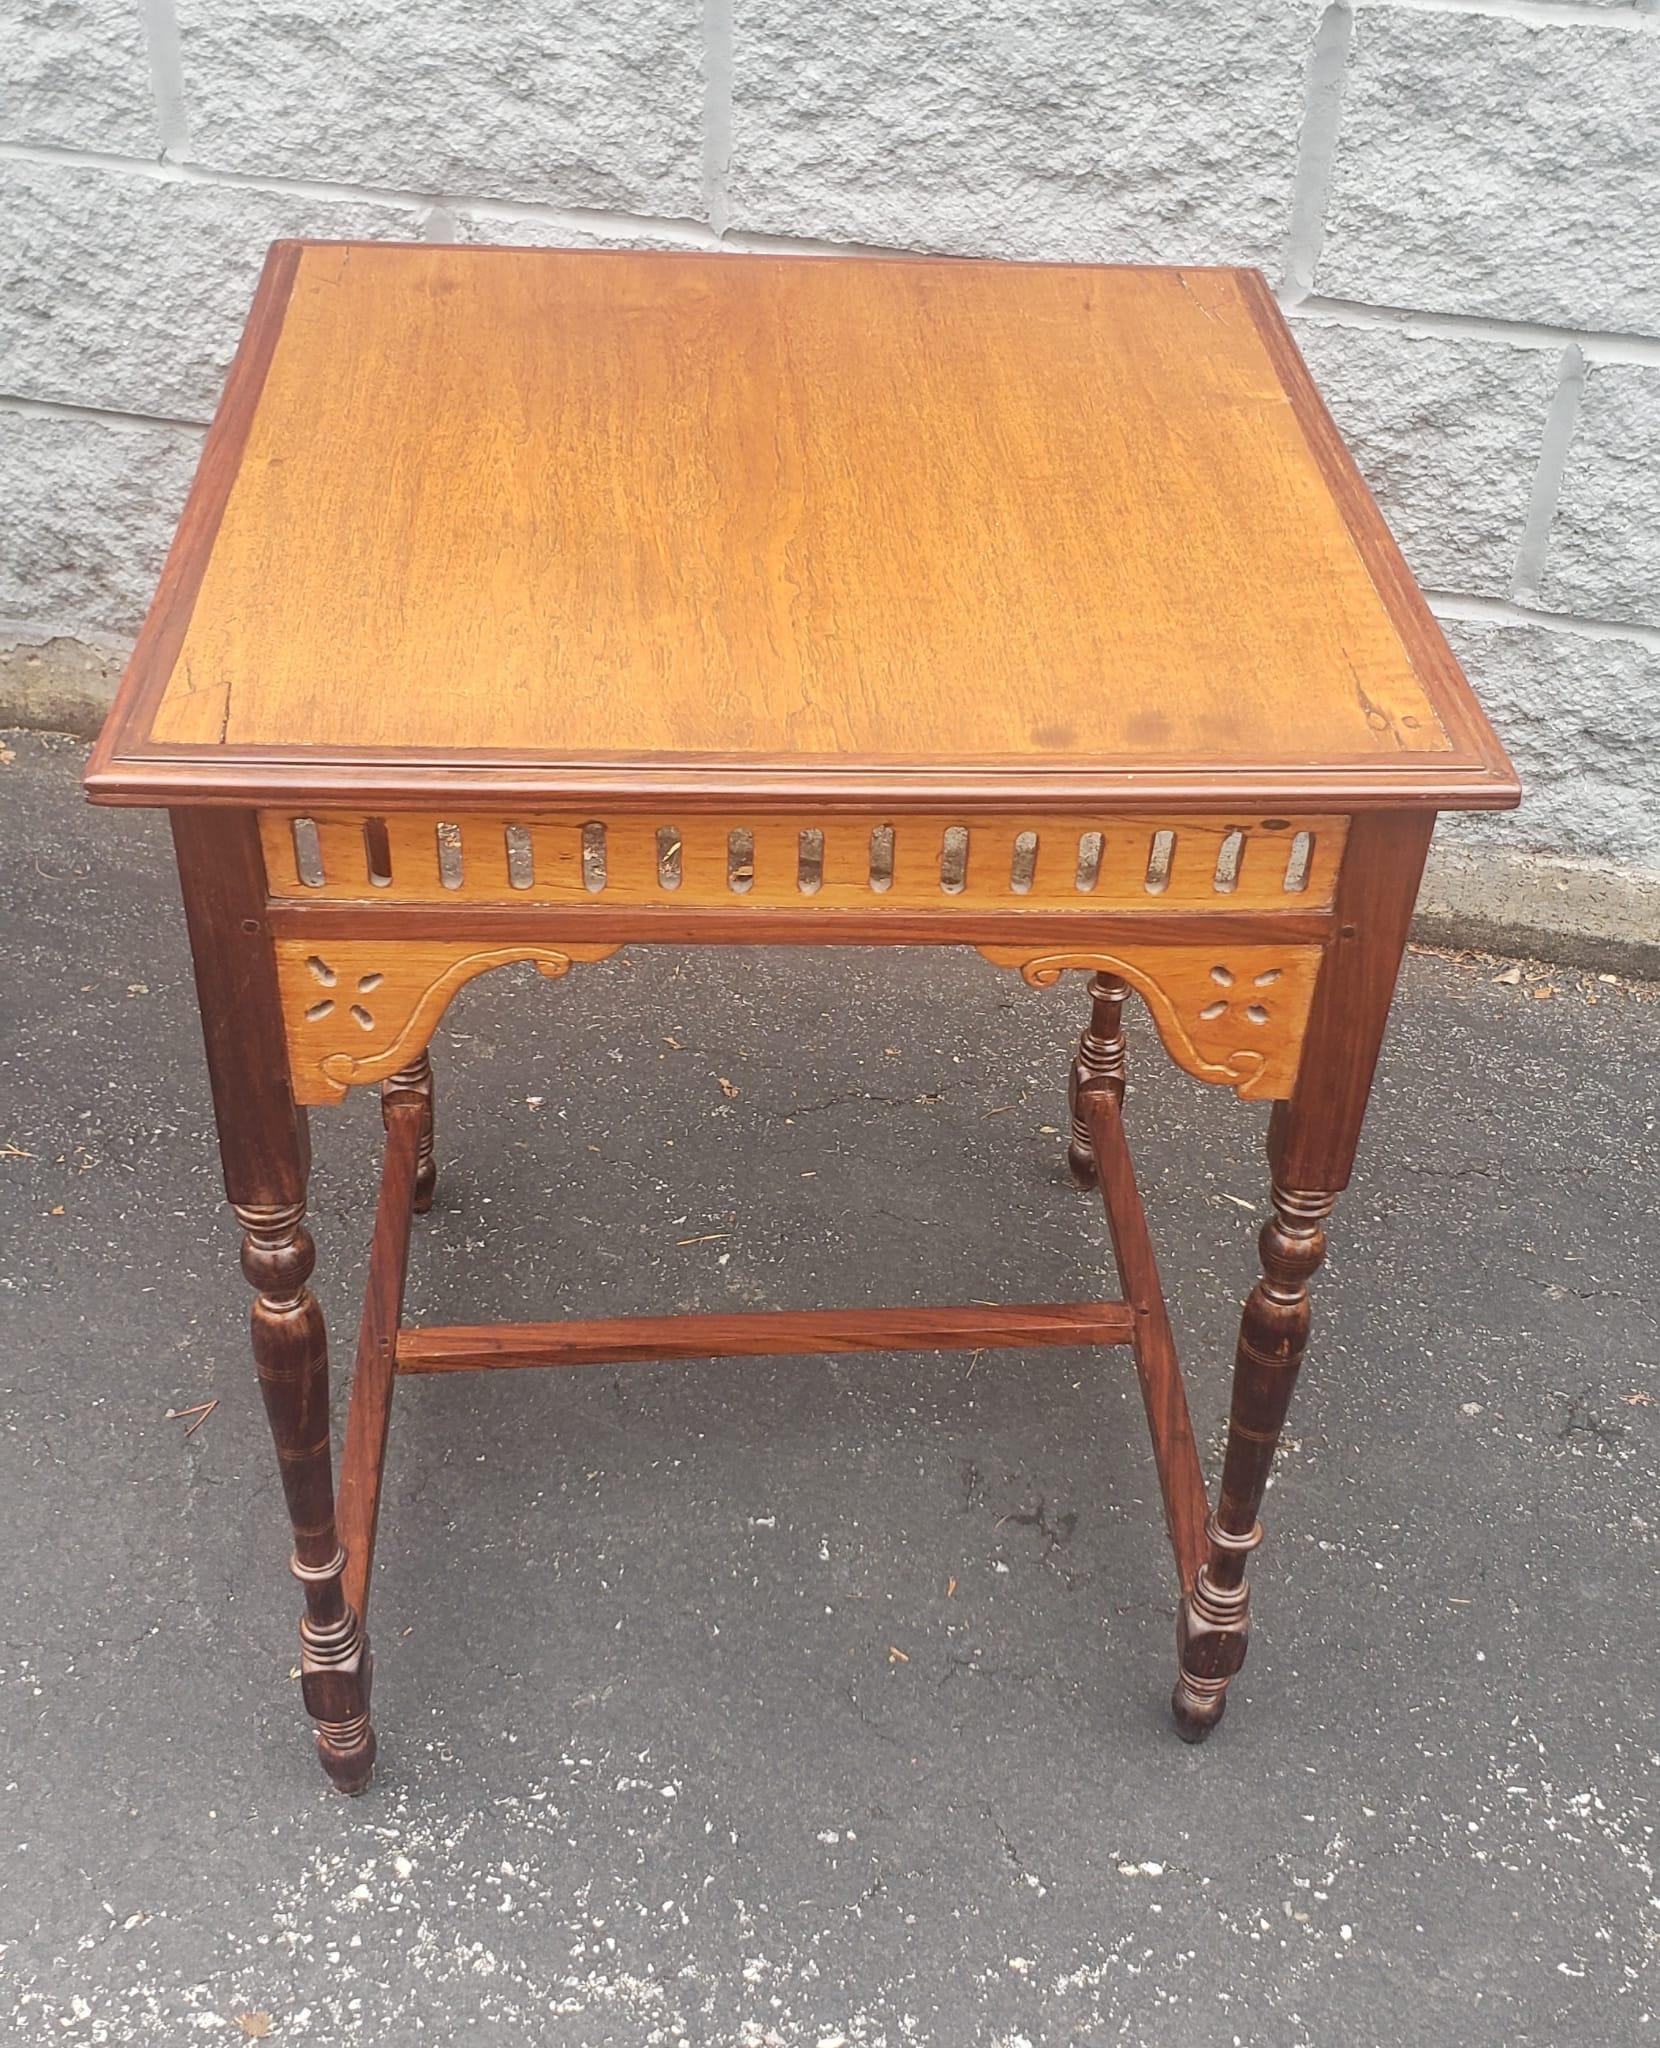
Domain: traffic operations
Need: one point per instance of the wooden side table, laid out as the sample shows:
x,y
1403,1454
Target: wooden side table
x,y
531,604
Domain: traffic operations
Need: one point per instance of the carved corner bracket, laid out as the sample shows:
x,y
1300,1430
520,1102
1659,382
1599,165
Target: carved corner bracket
x,y
356,1010
1232,1014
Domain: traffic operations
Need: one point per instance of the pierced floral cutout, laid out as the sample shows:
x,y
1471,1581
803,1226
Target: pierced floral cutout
x,y
325,977
1254,1012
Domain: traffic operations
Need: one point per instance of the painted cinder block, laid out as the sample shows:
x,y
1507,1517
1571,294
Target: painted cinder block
x,y
1578,713
87,509
560,101
128,292
1495,166
1602,560
1446,432
76,76
1137,133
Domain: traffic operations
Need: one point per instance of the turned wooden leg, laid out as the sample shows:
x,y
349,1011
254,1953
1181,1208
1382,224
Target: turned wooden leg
x,y
1099,1064
415,1082
1311,1149
292,1360
266,1155
1214,1619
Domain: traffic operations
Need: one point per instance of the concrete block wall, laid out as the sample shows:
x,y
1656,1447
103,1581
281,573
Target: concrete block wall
x,y
1458,202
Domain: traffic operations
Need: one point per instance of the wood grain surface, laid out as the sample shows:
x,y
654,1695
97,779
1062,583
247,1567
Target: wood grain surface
x,y
761,1333
1163,1391
369,1417
588,506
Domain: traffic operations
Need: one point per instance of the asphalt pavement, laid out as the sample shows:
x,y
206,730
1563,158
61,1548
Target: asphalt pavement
x,y
823,1703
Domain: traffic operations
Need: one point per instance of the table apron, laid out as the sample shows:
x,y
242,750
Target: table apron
x,y
960,861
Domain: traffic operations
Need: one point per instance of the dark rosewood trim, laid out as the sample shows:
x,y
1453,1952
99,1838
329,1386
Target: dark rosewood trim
x,y
1213,1623
1098,1063
1175,1453
411,1087
264,1148
776,1334
357,1506
263,1140
1312,1139
506,924
125,737
411,778
1311,1148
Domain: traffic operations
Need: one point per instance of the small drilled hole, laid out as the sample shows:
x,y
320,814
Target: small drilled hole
x,y
668,856
1297,863
954,860
1159,856
368,983
377,852
1221,977
308,852
1212,1011
1089,861
449,855
323,971
740,860
521,857
319,1011
881,859
1023,865
593,858
1268,978
361,1016
1226,878
1256,1013
809,861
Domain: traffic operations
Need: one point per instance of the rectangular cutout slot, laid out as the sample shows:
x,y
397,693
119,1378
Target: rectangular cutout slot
x,y
670,852
1228,855
593,858
954,860
377,853
1159,856
308,853
521,857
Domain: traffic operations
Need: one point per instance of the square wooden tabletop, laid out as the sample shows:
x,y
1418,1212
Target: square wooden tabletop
x,y
552,524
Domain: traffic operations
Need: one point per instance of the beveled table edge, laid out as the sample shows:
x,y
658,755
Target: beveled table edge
x,y
128,767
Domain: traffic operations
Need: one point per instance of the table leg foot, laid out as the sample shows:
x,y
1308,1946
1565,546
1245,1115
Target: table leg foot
x,y
1099,1064
1213,1626
336,1670
415,1081
1198,1704
347,1751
